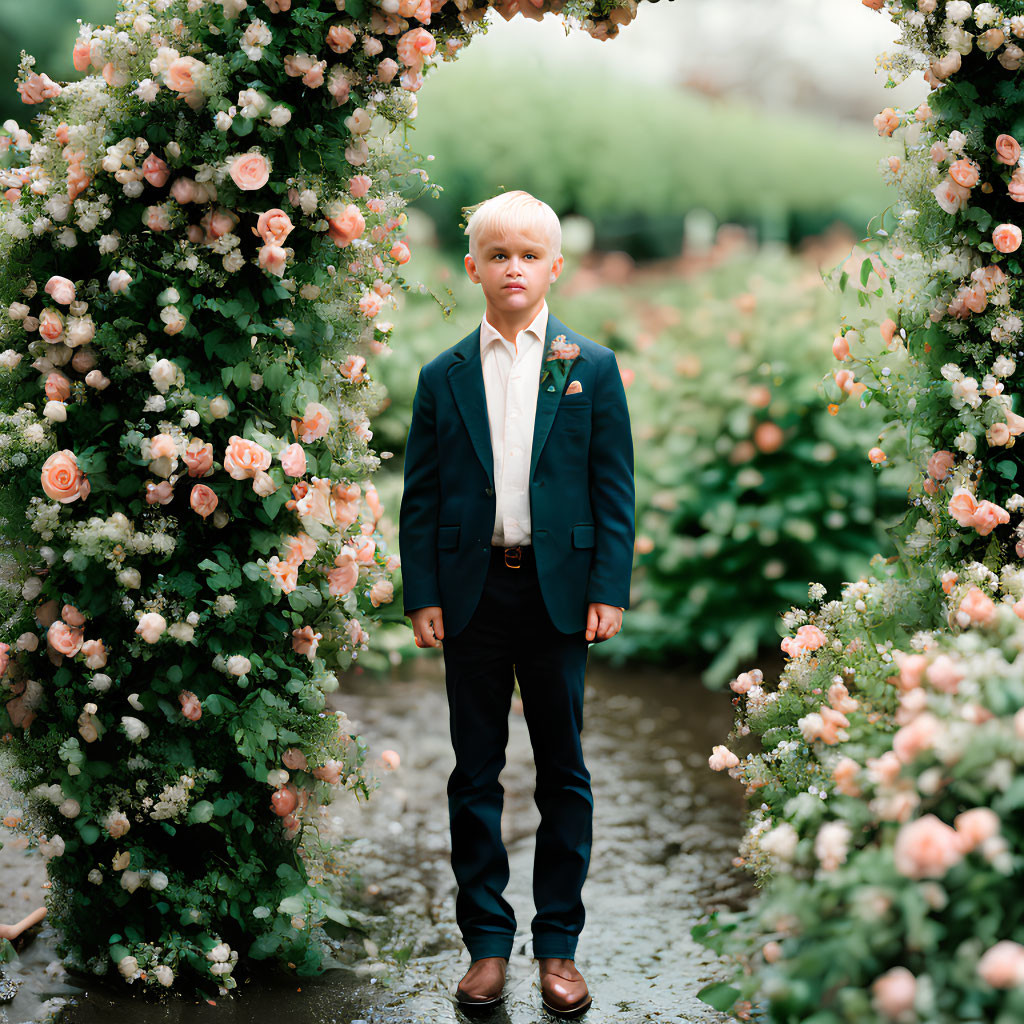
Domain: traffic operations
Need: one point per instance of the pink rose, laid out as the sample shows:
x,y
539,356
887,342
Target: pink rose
x,y
340,38
244,459
944,674
274,226
5,658
975,826
61,290
347,226
343,578
965,172
330,772
370,305
387,69
1007,150
315,501
382,592
151,627
810,637
182,75
191,708
1015,186
845,774
359,185
162,446
977,605
155,171
58,388
315,423
414,45
95,652
1006,238
912,667
250,171
916,737
305,641
81,55
198,457
72,616
185,190
940,463
926,848
892,993
352,368
61,478
1002,965
273,259
159,494
203,500
294,759
338,85
400,252
293,460
988,516
63,639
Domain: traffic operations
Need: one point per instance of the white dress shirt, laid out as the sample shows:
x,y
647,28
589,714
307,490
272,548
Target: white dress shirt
x,y
511,379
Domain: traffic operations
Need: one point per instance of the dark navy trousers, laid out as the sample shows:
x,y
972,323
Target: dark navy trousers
x,y
510,635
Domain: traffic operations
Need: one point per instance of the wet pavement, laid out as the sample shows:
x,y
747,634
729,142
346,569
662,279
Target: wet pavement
x,y
665,832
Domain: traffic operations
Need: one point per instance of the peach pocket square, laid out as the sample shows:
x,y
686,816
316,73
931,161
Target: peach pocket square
x,y
574,388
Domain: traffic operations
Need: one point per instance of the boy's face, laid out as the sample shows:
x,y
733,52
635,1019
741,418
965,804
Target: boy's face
x,y
514,271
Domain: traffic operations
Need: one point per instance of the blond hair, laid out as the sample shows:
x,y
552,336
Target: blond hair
x,y
516,211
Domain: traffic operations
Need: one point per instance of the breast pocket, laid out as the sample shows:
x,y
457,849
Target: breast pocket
x,y
583,535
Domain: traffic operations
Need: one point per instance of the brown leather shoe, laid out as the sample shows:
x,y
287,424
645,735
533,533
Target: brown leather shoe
x,y
562,988
483,983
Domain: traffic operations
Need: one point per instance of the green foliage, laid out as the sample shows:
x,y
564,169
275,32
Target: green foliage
x,y
562,135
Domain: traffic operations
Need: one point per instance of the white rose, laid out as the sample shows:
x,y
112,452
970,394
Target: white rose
x,y
53,847
219,407
95,876
32,588
118,281
220,953
986,15
308,202
163,373
9,359
182,631
280,116
136,729
958,10
158,881
263,484
128,966
224,605
131,579
55,412
966,442
164,975
35,433
223,121
100,682
238,665
151,627
70,808
27,642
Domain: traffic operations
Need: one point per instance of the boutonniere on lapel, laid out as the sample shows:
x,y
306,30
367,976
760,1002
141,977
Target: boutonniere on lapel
x,y
558,362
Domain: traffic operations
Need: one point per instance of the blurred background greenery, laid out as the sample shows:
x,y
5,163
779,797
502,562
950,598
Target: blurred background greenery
x,y
706,163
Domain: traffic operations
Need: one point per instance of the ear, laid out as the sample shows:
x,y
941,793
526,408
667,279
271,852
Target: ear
x,y
556,266
470,264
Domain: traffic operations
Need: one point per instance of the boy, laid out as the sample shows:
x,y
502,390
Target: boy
x,y
516,537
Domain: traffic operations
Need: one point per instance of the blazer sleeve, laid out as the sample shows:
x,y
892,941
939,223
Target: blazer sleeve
x,y
420,508
612,492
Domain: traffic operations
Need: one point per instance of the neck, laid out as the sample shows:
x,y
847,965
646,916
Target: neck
x,y
509,325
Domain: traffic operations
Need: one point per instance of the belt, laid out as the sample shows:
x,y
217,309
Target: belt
x,y
513,558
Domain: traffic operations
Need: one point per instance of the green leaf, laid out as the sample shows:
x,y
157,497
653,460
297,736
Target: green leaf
x,y
200,812
719,995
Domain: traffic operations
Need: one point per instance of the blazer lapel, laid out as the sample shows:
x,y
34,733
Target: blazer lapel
x,y
466,379
550,393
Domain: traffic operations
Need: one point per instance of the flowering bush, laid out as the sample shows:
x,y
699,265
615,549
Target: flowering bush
x,y
197,239
885,831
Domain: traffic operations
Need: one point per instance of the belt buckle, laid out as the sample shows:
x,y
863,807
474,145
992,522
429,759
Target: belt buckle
x,y
516,554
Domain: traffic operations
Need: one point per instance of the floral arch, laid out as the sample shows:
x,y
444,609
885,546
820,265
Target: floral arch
x,y
197,238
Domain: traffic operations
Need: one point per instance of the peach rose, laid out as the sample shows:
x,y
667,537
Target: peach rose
x,y
162,446
250,171
159,494
64,639
191,708
286,574
330,772
1002,965
314,501
911,667
721,758
940,463
1015,186
916,737
58,388
951,196
62,480
198,457
72,616
352,368
305,641
340,38
182,75
151,627
301,548
61,290
400,252
1007,150
975,826
51,326
965,172
962,506
203,500
988,516
382,592
294,760
293,460
998,434
978,606
845,774
274,226
244,459
346,226
81,55
926,848
414,45
344,577
338,85
315,423
95,652
359,185
944,674
892,993
273,259
1006,238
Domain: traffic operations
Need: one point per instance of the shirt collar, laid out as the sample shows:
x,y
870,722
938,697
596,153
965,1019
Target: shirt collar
x,y
537,327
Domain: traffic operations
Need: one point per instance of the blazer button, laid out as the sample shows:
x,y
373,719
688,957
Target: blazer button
x,y
489,491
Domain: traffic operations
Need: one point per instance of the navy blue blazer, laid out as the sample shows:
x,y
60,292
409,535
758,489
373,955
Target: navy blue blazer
x,y
581,488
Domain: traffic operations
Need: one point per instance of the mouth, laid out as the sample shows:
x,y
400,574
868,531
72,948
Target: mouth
x,y
516,287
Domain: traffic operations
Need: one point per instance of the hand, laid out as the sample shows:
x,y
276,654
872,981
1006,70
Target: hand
x,y
428,626
603,621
